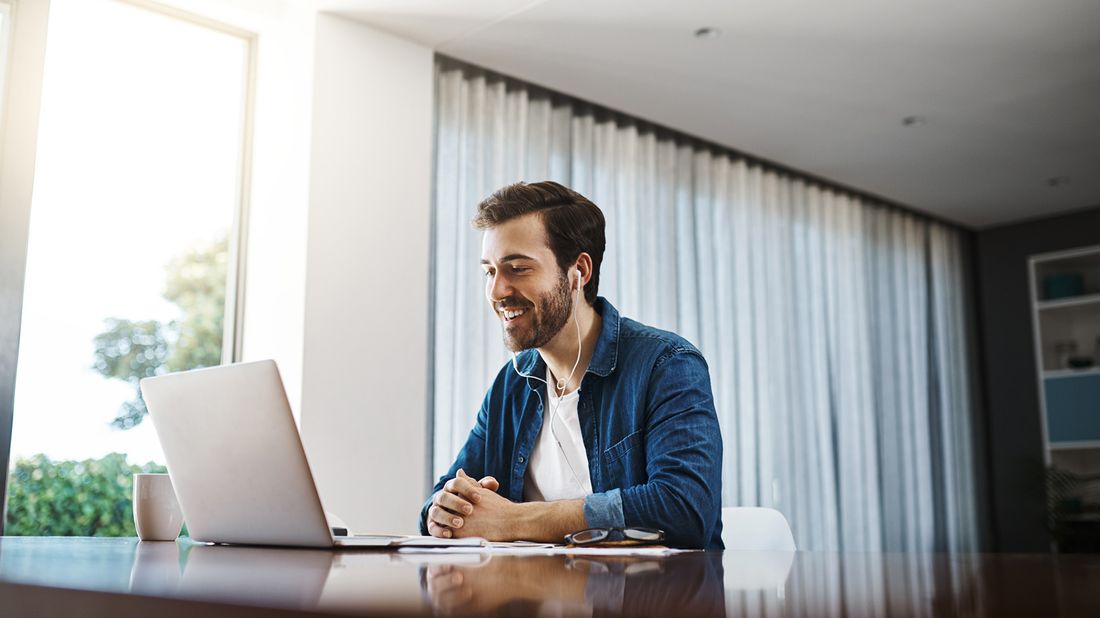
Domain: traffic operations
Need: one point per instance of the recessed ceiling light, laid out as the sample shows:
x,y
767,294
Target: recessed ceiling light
x,y
707,33
1057,181
913,121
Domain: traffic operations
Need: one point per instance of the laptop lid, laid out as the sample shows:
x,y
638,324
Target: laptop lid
x,y
235,457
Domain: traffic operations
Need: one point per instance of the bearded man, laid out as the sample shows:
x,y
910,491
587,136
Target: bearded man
x,y
599,424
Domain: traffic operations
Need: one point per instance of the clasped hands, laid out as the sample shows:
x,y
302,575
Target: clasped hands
x,y
465,507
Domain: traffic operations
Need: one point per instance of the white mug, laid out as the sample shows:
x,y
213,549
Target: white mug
x,y
157,514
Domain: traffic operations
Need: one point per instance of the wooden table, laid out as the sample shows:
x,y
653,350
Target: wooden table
x,y
118,577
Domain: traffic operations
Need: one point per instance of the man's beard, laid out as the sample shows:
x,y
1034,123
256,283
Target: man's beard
x,y
553,309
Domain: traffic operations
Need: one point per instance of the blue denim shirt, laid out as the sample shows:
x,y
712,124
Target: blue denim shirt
x,y
650,430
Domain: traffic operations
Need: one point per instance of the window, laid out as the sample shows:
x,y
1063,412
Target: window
x,y
132,257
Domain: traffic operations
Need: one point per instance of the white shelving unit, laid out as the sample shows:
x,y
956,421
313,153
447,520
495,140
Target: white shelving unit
x,y
1069,302
1069,397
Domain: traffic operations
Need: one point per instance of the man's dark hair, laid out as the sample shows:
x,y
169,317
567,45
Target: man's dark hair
x,y
574,225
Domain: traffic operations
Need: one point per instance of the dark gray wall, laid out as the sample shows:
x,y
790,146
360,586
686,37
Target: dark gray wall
x,y
1011,393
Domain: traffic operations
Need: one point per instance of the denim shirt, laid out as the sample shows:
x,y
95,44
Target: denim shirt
x,y
650,431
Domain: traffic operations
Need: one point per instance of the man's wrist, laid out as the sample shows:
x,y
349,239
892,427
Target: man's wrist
x,y
546,521
523,520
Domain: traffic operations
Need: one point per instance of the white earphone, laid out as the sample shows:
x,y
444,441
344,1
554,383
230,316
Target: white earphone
x,y
561,384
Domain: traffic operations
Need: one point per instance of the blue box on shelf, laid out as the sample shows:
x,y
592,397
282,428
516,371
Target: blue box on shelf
x,y
1073,407
1063,285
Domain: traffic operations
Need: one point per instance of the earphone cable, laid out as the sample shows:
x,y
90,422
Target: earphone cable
x,y
560,390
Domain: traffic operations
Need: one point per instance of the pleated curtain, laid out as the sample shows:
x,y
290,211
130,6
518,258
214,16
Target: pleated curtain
x,y
835,328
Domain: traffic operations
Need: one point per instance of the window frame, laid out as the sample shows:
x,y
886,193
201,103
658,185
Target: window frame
x,y
6,11
24,20
15,212
233,339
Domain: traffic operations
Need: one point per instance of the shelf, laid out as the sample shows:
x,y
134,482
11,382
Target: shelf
x,y
1063,256
1070,373
1082,517
1074,301
1069,398
1071,446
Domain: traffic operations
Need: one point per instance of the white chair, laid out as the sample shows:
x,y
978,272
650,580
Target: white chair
x,y
751,528
759,553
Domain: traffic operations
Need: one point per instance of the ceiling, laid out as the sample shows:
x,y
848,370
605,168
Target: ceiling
x,y
1009,90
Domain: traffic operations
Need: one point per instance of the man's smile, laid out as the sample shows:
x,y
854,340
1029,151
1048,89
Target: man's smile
x,y
511,313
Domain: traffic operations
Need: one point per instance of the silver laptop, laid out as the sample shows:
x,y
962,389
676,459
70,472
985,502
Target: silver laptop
x,y
237,463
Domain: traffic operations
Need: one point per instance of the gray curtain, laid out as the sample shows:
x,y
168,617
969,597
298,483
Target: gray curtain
x,y
835,328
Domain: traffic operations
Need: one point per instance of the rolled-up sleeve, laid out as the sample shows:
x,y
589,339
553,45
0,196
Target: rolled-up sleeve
x,y
604,510
683,491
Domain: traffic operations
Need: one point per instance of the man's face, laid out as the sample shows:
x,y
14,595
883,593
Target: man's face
x,y
529,294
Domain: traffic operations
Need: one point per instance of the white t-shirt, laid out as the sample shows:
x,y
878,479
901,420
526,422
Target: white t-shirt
x,y
549,475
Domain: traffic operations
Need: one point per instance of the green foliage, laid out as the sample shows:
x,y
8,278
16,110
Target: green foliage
x,y
196,283
72,498
93,497
131,350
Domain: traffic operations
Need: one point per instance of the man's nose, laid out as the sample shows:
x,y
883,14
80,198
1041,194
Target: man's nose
x,y
499,288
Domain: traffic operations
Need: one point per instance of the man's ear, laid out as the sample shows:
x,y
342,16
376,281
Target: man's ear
x,y
583,265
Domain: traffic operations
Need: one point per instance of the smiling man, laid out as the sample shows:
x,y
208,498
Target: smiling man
x,y
599,422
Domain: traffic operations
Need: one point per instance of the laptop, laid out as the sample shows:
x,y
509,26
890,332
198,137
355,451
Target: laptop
x,y
237,464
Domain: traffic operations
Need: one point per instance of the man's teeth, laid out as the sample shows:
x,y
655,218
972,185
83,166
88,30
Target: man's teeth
x,y
509,313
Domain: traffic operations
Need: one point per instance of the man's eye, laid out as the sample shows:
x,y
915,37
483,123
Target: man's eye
x,y
487,273
520,269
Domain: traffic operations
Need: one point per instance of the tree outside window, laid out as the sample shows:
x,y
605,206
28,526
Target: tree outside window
x,y
92,497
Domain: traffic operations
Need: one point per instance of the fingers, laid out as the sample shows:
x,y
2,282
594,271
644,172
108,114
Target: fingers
x,y
443,517
438,531
458,497
487,482
464,486
453,503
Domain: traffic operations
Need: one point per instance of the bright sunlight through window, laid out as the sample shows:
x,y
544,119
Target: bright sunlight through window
x,y
137,187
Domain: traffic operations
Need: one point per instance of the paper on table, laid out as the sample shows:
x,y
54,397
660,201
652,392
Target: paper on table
x,y
444,550
470,558
523,544
545,549
474,542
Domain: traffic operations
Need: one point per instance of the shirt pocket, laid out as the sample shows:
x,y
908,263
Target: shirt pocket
x,y
619,450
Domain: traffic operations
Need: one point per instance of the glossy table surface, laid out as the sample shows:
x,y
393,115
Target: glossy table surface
x,y
697,583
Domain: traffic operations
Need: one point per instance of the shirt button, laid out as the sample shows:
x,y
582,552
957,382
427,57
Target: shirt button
x,y
521,459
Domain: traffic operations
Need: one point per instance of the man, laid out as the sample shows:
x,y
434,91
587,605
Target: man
x,y
599,421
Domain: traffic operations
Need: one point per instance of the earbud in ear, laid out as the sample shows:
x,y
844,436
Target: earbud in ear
x,y
579,280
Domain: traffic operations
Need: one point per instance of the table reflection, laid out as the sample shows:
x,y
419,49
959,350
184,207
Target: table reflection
x,y
286,578
579,585
689,584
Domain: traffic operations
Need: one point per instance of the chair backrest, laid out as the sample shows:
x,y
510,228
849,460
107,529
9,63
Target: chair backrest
x,y
756,529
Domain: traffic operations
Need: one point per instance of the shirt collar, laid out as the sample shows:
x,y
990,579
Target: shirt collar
x,y
604,358
606,355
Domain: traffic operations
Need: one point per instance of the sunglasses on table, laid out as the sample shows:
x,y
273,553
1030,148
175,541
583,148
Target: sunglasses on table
x,y
630,536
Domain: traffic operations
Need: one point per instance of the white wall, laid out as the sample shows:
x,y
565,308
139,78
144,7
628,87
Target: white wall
x,y
275,277
364,386
274,282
